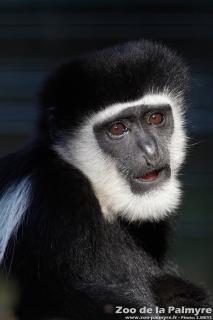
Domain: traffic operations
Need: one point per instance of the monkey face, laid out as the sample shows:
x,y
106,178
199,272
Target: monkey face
x,y
117,116
138,140
131,153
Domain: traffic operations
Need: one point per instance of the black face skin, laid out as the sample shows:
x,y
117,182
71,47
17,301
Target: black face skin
x,y
142,147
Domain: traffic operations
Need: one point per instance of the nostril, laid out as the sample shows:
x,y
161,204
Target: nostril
x,y
148,163
151,163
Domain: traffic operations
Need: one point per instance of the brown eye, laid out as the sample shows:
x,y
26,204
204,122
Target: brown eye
x,y
155,118
118,129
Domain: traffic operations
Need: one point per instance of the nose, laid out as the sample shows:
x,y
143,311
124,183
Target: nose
x,y
150,149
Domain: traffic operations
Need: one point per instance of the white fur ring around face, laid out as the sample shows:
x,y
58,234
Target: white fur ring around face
x,y
112,191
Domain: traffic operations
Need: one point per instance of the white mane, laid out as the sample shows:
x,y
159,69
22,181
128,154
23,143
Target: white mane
x,y
13,206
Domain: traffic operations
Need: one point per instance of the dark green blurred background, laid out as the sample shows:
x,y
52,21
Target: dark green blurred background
x,y
36,36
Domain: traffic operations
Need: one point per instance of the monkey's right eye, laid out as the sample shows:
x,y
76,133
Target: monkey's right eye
x,y
117,129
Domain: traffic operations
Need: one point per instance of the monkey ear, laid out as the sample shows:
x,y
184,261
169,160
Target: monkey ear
x,y
48,95
52,97
51,111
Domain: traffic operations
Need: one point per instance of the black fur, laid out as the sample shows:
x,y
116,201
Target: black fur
x,y
119,74
69,262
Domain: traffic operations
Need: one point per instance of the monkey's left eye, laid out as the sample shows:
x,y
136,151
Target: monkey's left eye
x,y
117,129
155,118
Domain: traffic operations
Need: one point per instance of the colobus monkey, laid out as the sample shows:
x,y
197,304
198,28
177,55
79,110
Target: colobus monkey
x,y
86,208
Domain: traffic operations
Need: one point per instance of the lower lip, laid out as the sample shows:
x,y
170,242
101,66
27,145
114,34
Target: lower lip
x,y
151,176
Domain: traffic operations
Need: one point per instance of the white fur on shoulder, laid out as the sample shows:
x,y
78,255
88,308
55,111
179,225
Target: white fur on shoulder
x,y
13,205
113,192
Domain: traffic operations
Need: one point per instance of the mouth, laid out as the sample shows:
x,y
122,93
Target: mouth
x,y
150,179
151,175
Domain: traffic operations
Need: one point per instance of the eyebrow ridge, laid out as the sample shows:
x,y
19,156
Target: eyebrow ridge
x,y
133,112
